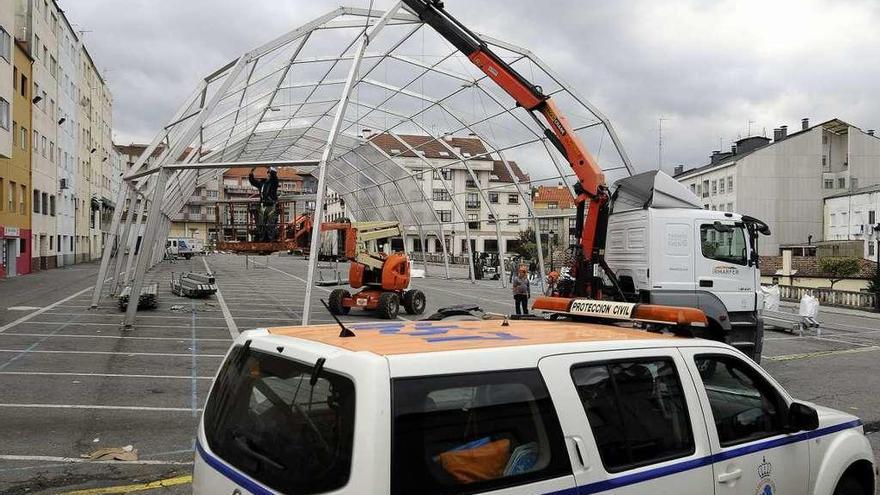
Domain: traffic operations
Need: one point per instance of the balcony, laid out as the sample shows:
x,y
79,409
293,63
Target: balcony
x,y
472,205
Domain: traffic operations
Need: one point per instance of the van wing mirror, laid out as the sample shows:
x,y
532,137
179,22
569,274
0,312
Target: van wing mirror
x,y
802,417
758,225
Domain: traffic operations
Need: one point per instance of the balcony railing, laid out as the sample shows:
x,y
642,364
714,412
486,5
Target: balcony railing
x,y
472,205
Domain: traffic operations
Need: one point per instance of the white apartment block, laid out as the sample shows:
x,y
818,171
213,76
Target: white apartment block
x,y
783,181
466,207
68,215
853,216
7,51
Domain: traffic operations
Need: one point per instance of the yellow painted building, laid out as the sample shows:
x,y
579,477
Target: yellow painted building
x,y
15,176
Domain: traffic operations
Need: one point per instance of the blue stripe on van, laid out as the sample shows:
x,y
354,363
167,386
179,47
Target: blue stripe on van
x,y
599,486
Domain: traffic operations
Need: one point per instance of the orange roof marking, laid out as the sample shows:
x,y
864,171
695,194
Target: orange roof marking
x,y
389,338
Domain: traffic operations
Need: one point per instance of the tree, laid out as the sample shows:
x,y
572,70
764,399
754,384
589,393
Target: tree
x,y
874,283
838,268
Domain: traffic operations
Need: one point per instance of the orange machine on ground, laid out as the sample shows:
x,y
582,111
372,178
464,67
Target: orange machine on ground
x,y
382,277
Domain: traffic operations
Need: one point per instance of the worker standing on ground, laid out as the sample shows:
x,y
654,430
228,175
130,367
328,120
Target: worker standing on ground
x,y
266,215
521,291
533,270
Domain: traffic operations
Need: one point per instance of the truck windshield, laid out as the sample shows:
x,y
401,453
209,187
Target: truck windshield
x,y
266,418
729,246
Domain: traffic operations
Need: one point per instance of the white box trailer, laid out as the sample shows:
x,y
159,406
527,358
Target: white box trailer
x,y
665,248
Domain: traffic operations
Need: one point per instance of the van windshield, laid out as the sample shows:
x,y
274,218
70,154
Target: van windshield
x,y
266,418
727,245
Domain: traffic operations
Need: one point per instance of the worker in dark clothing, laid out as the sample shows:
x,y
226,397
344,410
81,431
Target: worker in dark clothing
x,y
266,215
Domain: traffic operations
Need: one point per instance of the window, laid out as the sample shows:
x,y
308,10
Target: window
x,y
5,45
513,199
714,187
854,182
552,205
744,405
2,191
22,206
543,224
493,198
504,419
419,174
872,217
472,200
52,205
43,146
870,249
841,182
22,137
721,186
266,418
195,209
52,151
36,201
727,245
829,183
51,242
705,188
636,410
36,49
694,188
10,198
45,203
730,184
441,195
470,184
513,219
445,215
444,172
4,114
23,87
473,221
824,161
491,219
730,207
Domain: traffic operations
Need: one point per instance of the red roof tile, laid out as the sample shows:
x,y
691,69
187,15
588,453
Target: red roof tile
x,y
471,147
500,171
554,194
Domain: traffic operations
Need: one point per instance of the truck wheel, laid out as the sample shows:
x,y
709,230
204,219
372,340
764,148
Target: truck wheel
x,y
414,301
849,485
335,302
389,305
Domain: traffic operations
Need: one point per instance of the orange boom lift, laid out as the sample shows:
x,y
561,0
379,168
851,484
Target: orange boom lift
x,y
384,277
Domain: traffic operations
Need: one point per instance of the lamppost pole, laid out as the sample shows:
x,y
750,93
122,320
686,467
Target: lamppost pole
x,y
877,272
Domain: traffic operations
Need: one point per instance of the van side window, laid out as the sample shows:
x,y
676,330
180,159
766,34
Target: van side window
x,y
636,410
745,406
728,245
267,418
474,432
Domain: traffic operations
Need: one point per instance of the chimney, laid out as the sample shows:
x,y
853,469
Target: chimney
x,y
786,263
678,169
367,133
870,132
447,138
733,148
777,134
784,130
805,124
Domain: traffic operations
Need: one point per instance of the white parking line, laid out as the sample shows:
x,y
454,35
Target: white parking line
x,y
117,325
74,336
50,458
42,310
96,406
230,321
106,375
163,354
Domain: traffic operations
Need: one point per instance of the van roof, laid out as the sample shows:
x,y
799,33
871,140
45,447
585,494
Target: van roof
x,y
414,337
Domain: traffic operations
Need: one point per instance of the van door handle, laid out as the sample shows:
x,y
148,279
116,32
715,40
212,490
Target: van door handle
x,y
580,451
706,283
730,476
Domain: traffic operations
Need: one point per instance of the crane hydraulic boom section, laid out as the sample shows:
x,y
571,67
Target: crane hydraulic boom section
x,y
592,192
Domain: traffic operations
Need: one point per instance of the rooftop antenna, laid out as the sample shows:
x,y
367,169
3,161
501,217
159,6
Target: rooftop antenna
x,y
345,331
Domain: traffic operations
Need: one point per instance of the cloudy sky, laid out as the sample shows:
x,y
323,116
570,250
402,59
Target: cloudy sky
x,y
712,70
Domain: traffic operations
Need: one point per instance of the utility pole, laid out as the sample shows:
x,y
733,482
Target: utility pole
x,y
660,144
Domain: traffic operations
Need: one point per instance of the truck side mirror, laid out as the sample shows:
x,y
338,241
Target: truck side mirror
x,y
802,417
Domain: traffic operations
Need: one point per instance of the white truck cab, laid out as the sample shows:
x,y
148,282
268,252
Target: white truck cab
x,y
666,249
519,407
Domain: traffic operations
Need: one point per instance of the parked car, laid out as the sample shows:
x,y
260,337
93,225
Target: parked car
x,y
518,407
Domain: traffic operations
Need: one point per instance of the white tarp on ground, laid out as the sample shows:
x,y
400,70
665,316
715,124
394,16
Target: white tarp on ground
x,y
653,189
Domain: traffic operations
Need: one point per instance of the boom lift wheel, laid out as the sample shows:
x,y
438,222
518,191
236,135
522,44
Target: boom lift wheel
x,y
414,301
335,303
389,305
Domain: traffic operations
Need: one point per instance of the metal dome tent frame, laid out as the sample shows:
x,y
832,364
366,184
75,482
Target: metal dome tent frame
x,y
412,82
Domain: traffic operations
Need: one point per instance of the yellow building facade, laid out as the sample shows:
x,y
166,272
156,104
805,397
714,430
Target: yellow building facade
x,y
15,175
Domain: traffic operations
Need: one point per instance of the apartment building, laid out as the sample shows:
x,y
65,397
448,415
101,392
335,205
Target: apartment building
x,y
15,173
784,181
7,60
853,216
555,211
467,205
69,215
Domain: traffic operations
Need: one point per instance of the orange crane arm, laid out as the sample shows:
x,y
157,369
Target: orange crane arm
x,y
591,189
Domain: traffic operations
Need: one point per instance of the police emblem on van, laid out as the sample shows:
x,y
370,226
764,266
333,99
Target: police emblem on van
x,y
725,270
765,482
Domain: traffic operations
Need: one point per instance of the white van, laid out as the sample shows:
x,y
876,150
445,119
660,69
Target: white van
x,y
519,407
179,246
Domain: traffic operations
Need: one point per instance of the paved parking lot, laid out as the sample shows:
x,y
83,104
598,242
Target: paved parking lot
x,y
73,381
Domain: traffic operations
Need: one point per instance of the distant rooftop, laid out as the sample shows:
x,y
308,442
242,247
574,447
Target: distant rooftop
x,y
858,190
